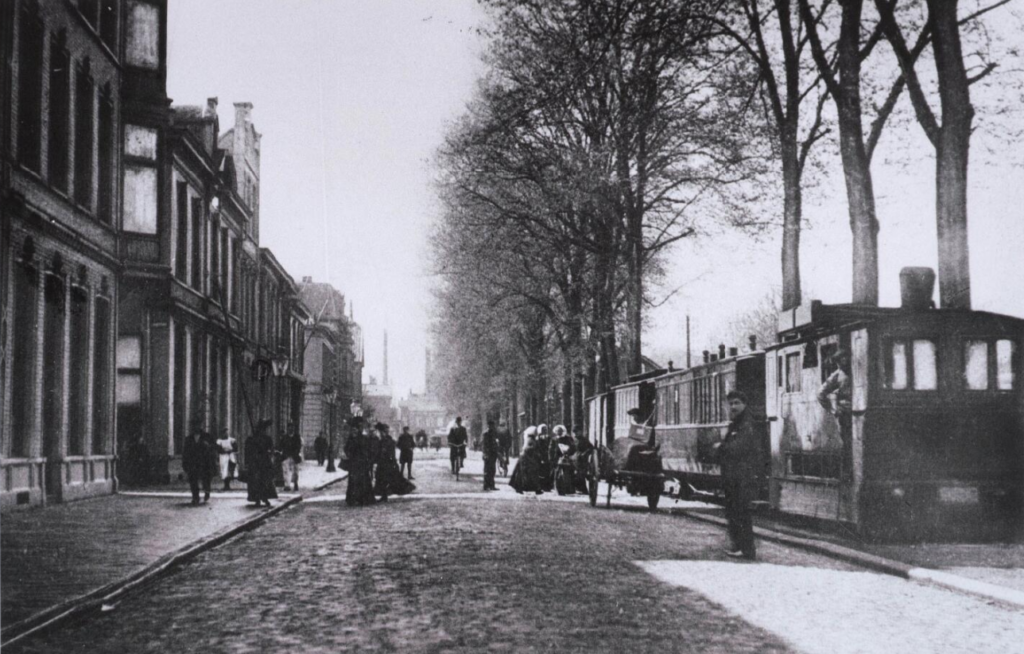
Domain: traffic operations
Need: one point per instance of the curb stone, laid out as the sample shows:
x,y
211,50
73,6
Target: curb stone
x,y
980,589
329,483
94,600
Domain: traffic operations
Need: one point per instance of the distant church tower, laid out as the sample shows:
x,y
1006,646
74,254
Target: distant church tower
x,y
385,357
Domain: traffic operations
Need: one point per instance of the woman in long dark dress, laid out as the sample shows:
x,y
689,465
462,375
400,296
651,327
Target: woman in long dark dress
x,y
259,462
360,466
526,476
389,479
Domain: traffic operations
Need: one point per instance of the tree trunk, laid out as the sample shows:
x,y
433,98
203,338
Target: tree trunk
x,y
792,209
856,164
952,155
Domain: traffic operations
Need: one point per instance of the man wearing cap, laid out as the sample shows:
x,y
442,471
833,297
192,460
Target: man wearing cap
x,y
740,457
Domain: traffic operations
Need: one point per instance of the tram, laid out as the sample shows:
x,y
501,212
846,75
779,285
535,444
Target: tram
x,y
932,444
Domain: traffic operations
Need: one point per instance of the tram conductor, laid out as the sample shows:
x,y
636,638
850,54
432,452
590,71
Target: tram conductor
x,y
836,397
740,457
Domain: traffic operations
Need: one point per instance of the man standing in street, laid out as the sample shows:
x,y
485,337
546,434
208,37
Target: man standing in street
x,y
741,458
490,452
406,447
320,448
196,461
457,439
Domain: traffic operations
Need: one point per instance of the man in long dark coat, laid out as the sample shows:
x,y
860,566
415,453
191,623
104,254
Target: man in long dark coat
x,y
197,462
406,448
490,452
741,457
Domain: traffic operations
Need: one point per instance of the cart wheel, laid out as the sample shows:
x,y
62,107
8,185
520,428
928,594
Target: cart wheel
x,y
652,500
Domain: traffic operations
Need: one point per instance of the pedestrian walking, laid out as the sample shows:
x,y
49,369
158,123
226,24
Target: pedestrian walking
x,y
291,457
526,476
406,448
504,445
457,439
227,454
740,456
196,457
260,465
490,452
359,464
544,462
320,449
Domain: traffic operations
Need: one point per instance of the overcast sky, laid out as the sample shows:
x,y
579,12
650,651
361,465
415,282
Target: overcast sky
x,y
394,72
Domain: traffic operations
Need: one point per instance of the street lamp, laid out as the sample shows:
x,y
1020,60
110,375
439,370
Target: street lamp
x,y
329,396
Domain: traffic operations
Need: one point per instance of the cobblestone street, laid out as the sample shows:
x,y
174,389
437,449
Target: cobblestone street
x,y
500,572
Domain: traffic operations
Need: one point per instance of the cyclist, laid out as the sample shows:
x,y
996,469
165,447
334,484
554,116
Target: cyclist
x,y
457,439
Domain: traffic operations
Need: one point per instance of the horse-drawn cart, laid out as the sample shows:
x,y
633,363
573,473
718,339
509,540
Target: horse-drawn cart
x,y
639,473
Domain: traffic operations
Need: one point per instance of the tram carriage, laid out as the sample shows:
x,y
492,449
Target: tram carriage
x,y
693,416
932,448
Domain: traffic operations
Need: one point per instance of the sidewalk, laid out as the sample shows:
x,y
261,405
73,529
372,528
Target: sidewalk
x,y
56,555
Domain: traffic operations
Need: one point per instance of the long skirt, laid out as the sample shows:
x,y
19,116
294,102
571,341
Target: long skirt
x,y
260,485
360,484
390,480
525,477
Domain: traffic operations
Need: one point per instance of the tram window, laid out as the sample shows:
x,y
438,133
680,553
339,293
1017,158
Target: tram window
x,y
976,365
793,372
896,370
675,405
828,366
925,375
779,371
1005,360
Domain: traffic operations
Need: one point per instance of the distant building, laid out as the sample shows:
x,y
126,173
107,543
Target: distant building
x,y
334,363
425,411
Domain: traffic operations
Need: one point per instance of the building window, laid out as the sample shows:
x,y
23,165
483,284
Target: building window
x,y
181,237
78,371
25,293
84,135
197,244
60,97
54,332
140,206
140,142
215,290
129,370
30,87
143,35
106,157
101,378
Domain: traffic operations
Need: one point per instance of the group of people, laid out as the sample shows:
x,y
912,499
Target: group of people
x,y
495,445
537,469
202,457
372,468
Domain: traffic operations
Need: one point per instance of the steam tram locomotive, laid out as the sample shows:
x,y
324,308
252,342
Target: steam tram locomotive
x,y
933,447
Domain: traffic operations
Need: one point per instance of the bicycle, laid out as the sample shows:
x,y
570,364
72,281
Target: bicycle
x,y
457,463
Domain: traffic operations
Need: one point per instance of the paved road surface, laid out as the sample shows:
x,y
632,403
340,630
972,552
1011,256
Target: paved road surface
x,y
478,572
